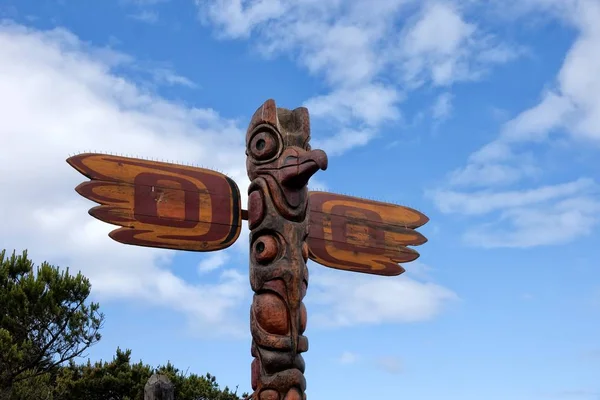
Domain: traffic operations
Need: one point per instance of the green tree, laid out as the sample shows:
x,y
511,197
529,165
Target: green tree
x,y
39,387
45,320
197,387
118,379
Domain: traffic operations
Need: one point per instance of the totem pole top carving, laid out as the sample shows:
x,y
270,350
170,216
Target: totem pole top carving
x,y
278,150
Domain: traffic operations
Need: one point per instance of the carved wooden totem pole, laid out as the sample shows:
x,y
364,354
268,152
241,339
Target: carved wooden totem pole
x,y
188,208
280,163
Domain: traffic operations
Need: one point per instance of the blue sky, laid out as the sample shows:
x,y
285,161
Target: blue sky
x,y
483,115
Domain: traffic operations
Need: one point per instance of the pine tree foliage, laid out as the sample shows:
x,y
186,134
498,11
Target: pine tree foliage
x,y
45,320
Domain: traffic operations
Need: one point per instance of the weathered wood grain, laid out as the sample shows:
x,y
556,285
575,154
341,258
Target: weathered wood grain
x,y
160,204
349,206
360,235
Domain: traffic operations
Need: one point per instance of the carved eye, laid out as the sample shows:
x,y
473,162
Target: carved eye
x,y
264,144
266,249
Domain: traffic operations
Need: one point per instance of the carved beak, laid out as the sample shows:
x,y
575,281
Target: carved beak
x,y
299,165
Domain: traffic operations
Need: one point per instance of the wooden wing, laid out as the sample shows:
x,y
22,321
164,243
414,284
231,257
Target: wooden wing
x,y
161,204
361,235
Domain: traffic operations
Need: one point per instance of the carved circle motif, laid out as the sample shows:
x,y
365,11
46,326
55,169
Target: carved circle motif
x,y
265,249
271,313
265,144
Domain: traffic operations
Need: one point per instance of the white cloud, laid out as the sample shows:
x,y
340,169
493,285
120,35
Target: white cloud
x,y
344,140
236,20
165,76
213,261
546,224
365,51
441,47
548,215
490,174
493,165
433,44
536,123
345,299
371,104
477,203
578,79
439,30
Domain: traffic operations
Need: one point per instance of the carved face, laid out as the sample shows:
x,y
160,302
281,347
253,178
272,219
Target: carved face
x,y
278,149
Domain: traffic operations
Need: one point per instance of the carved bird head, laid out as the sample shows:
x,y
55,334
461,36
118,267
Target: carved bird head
x,y
278,149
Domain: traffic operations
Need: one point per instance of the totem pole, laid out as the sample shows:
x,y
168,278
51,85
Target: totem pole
x,y
280,163
181,207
